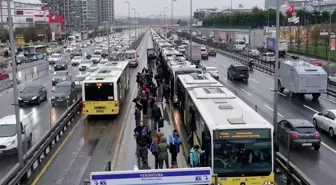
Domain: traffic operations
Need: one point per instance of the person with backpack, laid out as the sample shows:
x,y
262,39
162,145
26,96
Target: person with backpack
x,y
137,116
143,144
175,142
194,157
156,116
154,147
163,152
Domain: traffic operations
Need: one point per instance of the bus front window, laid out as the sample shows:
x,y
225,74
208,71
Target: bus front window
x,y
99,92
240,153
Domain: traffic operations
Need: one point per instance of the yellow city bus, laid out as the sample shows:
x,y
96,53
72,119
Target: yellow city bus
x,y
237,142
104,91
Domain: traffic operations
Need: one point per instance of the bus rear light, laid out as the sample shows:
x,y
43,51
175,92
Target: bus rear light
x,y
83,104
116,103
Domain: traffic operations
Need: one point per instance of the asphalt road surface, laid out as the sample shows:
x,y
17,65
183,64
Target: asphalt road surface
x,y
318,165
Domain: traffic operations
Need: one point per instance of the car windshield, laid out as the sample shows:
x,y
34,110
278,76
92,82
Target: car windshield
x,y
130,56
60,73
91,69
305,130
203,49
212,69
271,55
54,56
7,130
60,63
62,89
30,90
79,78
242,152
77,58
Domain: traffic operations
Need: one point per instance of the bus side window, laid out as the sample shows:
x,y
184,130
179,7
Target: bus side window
x,y
119,90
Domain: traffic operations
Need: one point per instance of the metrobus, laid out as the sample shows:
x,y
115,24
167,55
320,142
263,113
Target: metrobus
x,y
34,53
104,90
177,70
187,82
237,142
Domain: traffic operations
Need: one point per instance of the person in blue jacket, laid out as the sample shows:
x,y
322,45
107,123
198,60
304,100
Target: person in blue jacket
x,y
194,157
175,142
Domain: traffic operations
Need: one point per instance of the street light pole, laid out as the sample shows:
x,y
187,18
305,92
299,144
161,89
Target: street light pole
x,y
329,40
276,75
15,87
230,22
129,23
135,22
190,35
108,33
172,12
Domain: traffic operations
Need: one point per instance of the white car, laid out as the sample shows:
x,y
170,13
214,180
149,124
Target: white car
x,y
268,57
254,52
213,71
181,49
8,136
98,51
76,61
54,58
91,70
84,65
325,120
79,81
69,49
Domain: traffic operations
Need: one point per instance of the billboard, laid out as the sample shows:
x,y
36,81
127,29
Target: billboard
x,y
243,36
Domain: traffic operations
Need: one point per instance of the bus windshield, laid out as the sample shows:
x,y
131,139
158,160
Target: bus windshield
x,y
242,152
99,92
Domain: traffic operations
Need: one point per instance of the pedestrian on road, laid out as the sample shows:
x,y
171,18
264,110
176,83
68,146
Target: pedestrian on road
x,y
153,91
156,116
166,93
174,144
137,116
144,103
154,148
194,157
143,143
163,152
137,102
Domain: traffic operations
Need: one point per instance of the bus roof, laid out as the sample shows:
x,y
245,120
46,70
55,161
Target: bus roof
x,y
35,46
221,109
104,74
116,65
198,80
186,68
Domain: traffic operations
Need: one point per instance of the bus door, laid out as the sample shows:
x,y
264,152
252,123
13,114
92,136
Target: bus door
x,y
191,124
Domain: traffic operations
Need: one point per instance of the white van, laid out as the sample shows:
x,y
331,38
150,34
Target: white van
x,y
132,57
8,137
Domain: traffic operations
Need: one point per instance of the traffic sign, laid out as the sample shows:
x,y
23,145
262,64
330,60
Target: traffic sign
x,y
181,176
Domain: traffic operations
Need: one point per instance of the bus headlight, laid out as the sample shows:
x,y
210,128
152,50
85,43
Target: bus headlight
x,y
268,183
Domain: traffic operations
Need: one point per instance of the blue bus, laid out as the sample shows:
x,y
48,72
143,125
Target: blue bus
x,y
33,53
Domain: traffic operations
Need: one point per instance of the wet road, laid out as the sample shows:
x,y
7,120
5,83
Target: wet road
x,y
42,117
93,142
257,93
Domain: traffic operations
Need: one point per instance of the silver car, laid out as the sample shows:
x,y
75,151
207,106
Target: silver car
x,y
79,81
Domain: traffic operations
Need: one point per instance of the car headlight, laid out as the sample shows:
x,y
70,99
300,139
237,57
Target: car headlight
x,y
19,98
55,65
52,98
64,78
33,98
68,97
10,143
53,79
63,65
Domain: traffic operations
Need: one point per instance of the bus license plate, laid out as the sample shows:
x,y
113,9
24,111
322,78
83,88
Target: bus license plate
x,y
306,144
99,110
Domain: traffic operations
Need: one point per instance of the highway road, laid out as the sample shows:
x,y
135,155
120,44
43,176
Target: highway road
x,y
42,116
92,142
257,93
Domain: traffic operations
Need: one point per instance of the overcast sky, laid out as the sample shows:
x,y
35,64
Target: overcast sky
x,y
181,7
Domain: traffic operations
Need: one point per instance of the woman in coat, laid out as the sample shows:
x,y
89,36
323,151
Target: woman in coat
x,y
163,152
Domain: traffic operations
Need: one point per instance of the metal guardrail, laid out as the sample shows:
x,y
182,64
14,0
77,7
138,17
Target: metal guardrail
x,y
34,158
243,57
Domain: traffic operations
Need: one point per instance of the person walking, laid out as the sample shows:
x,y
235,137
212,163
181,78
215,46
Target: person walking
x,y
137,116
194,159
174,144
137,131
144,103
156,116
163,152
143,143
154,148
165,93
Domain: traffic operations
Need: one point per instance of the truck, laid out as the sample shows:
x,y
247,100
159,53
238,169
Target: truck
x,y
196,53
270,45
300,78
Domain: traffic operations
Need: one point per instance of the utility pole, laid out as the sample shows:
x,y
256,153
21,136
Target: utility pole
x,y
276,73
129,23
1,13
135,23
190,35
15,88
230,23
329,40
164,21
108,32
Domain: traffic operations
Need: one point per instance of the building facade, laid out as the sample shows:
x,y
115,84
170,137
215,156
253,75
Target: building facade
x,y
86,14
105,11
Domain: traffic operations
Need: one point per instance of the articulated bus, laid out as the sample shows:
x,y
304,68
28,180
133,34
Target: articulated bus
x,y
188,82
237,142
34,53
104,91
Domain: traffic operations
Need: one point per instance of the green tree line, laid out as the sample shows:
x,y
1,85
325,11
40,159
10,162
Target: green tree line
x,y
260,18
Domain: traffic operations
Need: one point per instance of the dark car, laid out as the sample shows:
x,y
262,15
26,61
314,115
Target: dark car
x,y
76,52
61,65
104,53
88,56
33,94
238,72
114,56
64,93
60,76
96,59
21,59
300,132
212,52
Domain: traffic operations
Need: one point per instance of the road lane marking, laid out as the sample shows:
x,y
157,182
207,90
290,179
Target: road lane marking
x,y
328,147
245,92
254,80
273,111
279,92
328,99
39,175
310,108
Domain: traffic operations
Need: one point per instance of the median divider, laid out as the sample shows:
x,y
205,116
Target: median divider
x,y
34,158
243,57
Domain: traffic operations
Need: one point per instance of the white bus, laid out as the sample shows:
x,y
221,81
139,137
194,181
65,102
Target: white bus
x,y
237,142
104,90
33,53
188,82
